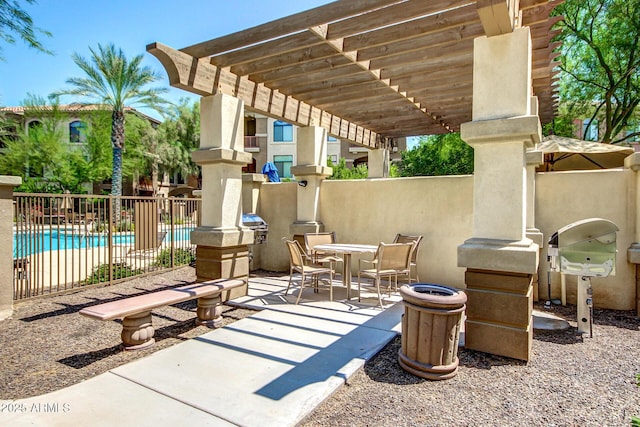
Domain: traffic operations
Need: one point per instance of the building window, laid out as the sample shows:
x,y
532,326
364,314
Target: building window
x,y
77,132
282,132
334,159
590,131
34,124
283,164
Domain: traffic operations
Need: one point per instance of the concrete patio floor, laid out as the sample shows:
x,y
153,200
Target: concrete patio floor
x,y
270,369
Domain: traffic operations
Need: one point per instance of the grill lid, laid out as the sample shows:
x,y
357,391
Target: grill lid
x,y
586,247
252,220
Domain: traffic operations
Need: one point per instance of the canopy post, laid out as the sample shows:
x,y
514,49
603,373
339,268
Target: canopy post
x,y
310,170
222,240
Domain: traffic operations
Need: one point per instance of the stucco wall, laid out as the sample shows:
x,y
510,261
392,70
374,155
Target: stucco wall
x,y
371,211
565,197
440,208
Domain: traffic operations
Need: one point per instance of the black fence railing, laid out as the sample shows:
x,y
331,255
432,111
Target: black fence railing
x,y
63,242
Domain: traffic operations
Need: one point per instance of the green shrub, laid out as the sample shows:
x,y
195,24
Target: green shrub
x,y
101,273
125,225
180,256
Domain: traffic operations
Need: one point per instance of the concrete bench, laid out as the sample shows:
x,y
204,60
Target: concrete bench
x,y
135,311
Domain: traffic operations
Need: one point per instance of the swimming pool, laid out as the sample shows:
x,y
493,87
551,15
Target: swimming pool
x,y
29,243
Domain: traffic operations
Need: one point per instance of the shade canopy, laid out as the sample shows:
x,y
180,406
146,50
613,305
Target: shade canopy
x,y
562,154
367,70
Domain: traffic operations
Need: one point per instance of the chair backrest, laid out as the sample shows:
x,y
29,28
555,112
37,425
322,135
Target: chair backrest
x,y
394,256
295,253
313,239
406,238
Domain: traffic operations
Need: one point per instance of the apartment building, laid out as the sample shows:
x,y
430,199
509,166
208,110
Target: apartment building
x,y
270,140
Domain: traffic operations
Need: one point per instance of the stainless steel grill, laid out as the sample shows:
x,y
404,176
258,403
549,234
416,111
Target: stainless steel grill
x,y
585,248
258,225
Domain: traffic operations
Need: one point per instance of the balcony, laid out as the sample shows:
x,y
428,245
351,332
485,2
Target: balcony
x,y
252,143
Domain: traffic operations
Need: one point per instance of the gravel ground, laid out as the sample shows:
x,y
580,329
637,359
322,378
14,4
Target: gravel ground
x,y
570,381
46,345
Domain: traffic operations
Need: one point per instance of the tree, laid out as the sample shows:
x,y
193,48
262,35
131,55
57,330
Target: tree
x,y
341,171
181,136
600,58
445,154
15,20
113,80
40,156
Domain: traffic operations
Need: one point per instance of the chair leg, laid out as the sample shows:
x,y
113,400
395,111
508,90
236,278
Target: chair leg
x,y
358,286
378,280
301,288
290,279
331,285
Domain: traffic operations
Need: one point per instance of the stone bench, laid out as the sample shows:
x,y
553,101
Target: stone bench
x,y
135,311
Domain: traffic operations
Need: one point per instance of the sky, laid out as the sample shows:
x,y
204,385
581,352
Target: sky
x,y
131,25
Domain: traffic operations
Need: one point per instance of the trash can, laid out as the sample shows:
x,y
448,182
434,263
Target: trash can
x,y
431,330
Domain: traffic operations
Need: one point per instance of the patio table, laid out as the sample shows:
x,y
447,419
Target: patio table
x,y
346,249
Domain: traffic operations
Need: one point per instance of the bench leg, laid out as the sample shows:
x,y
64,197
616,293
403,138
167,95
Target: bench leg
x,y
209,311
137,331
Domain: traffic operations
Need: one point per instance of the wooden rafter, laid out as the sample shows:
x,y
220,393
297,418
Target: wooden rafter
x,y
368,69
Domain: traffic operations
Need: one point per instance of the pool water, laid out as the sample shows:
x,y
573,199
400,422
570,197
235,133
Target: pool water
x,y
29,243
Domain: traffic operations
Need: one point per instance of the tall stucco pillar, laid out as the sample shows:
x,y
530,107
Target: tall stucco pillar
x,y
378,164
633,252
222,240
533,159
7,183
500,259
311,169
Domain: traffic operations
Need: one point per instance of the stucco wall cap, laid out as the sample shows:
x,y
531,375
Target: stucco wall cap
x,y
632,162
307,170
253,177
523,128
221,155
499,255
10,180
534,158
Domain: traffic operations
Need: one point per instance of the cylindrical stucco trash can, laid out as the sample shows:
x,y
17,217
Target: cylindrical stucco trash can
x,y
431,330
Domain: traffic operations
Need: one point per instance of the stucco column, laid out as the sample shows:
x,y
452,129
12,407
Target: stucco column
x,y
378,164
500,259
222,240
251,183
533,159
6,251
311,169
633,252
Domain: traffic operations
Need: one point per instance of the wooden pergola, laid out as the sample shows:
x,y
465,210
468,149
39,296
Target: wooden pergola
x,y
367,70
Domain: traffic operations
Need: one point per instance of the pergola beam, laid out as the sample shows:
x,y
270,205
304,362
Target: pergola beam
x,y
202,78
413,59
498,16
300,21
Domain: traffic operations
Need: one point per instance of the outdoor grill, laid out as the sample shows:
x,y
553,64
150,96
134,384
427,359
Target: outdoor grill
x,y
258,225
585,248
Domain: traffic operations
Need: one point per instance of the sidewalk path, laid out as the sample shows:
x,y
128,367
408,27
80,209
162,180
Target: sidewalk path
x,y
270,369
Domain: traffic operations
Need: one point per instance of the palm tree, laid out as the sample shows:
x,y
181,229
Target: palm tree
x,y
111,79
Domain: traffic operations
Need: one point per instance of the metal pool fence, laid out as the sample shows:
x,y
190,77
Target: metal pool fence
x,y
63,242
